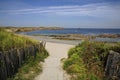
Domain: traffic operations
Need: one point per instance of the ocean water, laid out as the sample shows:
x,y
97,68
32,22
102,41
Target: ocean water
x,y
85,31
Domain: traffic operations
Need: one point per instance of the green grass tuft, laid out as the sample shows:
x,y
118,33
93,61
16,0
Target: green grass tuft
x,y
11,41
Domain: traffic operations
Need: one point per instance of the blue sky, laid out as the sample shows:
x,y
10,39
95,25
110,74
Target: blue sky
x,y
61,13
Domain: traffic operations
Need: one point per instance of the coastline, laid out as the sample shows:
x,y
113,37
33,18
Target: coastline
x,y
107,35
74,40
28,29
63,38
56,47
51,40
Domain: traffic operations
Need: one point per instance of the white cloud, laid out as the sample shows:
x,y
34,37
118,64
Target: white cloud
x,y
98,9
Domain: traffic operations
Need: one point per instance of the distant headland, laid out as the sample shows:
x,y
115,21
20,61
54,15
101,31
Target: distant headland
x,y
26,29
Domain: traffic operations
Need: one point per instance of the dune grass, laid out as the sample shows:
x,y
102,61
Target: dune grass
x,y
86,61
10,41
32,66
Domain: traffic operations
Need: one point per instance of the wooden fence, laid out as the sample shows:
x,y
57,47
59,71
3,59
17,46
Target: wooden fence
x,y
13,59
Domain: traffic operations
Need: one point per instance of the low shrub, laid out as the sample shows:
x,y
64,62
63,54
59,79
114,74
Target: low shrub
x,y
87,60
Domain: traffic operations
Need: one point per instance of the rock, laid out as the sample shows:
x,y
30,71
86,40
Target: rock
x,y
109,35
112,69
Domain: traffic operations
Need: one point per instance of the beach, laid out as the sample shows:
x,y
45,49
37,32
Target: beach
x,y
59,40
52,68
49,39
75,35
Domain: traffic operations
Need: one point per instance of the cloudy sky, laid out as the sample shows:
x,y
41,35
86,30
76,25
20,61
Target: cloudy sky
x,y
61,13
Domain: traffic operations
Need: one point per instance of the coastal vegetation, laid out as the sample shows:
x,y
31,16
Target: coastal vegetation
x,y
10,40
31,67
26,29
87,60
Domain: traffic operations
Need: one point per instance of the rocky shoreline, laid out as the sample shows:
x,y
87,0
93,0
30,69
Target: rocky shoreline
x,y
85,37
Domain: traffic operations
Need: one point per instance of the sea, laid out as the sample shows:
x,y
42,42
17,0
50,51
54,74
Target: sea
x,y
85,31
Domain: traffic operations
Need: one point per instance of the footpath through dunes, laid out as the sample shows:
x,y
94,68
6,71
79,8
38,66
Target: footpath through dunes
x,y
52,69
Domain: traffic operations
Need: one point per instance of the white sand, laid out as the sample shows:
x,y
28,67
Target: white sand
x,y
49,39
52,69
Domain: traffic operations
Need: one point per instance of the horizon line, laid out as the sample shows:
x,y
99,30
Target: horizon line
x,y
62,27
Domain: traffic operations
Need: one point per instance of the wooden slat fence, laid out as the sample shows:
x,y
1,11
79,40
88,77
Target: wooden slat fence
x,y
13,59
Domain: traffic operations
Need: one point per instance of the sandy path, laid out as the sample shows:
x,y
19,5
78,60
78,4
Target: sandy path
x,y
52,69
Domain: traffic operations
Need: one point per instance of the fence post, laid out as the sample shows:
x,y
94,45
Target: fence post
x,y
11,60
19,57
113,66
3,71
